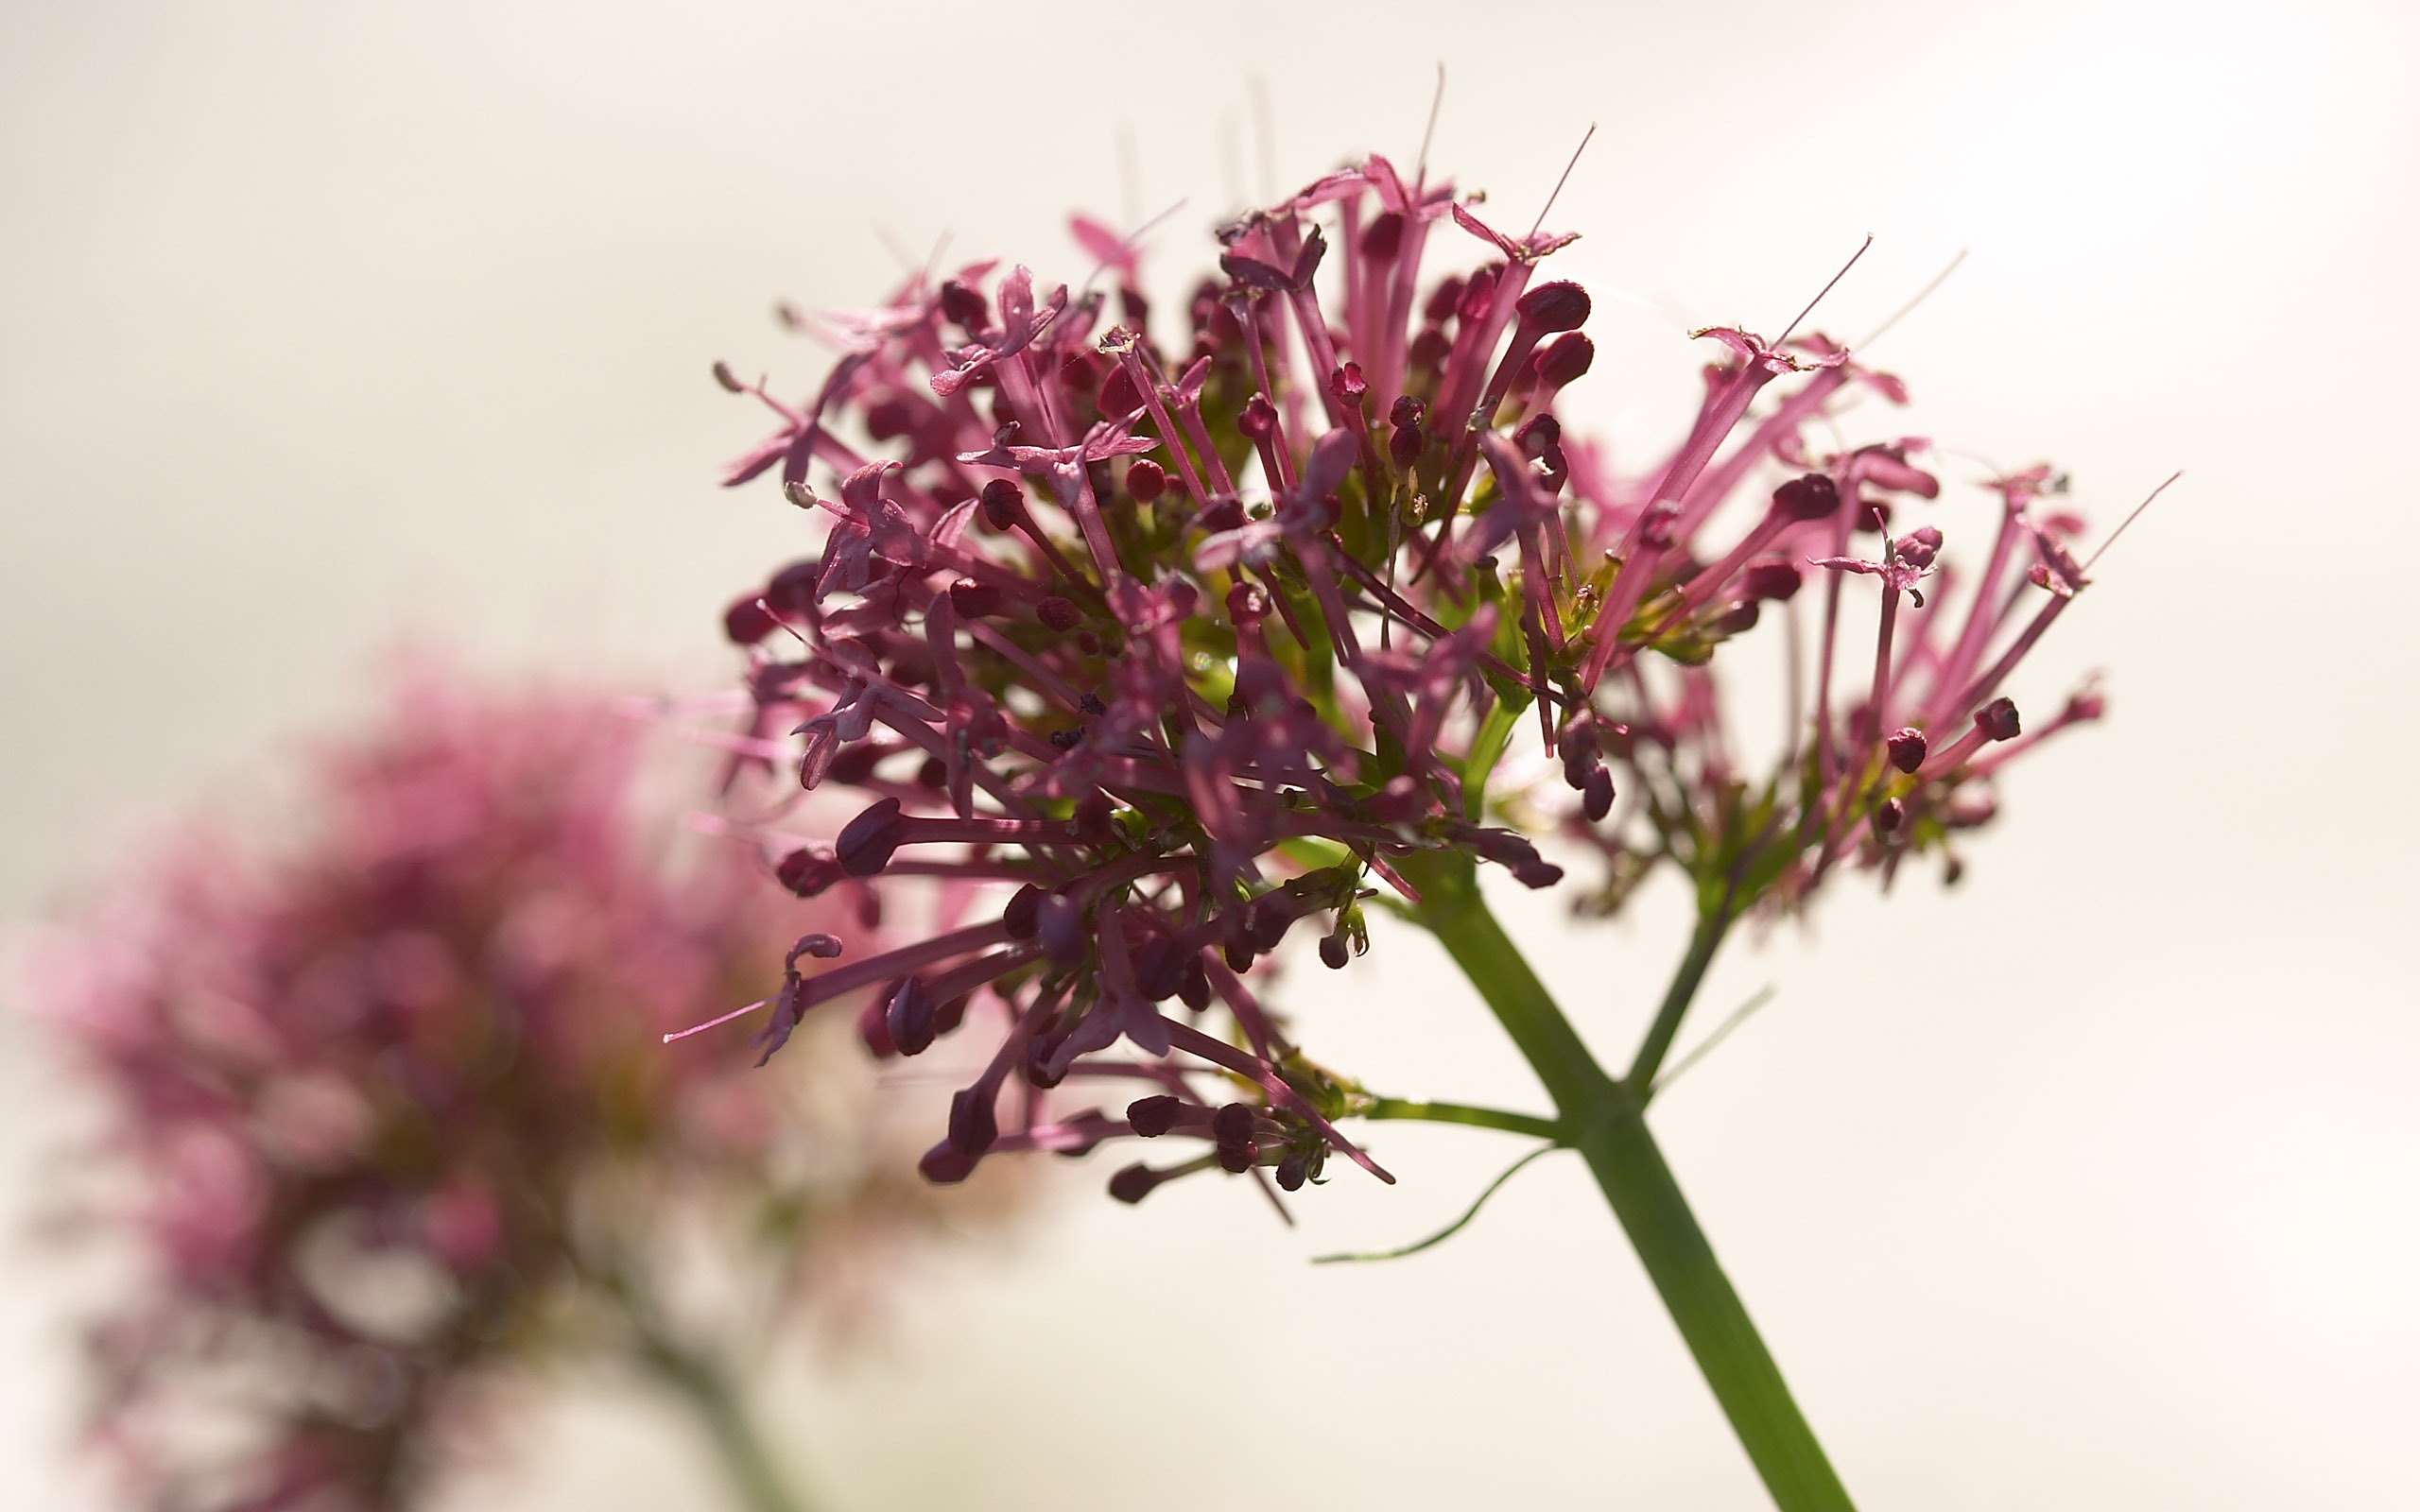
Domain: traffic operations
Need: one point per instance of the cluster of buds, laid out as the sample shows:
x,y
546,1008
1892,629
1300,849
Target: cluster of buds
x,y
1137,655
397,1113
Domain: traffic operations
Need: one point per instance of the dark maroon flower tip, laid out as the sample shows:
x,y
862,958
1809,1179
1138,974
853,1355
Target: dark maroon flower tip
x,y
911,1019
945,1164
1565,359
1918,547
1019,915
1808,496
1997,720
1347,384
747,621
976,601
1153,1116
1293,1170
1737,620
1556,305
973,1125
1058,614
965,307
867,841
1135,1183
1889,815
1258,420
1003,503
1334,952
1059,923
1477,294
1382,236
1906,749
1597,799
807,872
790,592
1773,577
1146,480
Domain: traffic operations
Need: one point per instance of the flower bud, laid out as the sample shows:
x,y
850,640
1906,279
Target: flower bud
x,y
910,1017
1153,1116
1558,305
1382,236
1057,613
945,1164
747,621
1773,577
973,1125
1565,359
1889,815
976,601
1997,720
1907,748
867,841
1333,953
1003,503
807,872
1135,1183
1808,496
1597,799
1146,480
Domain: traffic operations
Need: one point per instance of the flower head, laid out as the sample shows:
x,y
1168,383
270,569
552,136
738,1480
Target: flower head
x,y
1151,642
396,1102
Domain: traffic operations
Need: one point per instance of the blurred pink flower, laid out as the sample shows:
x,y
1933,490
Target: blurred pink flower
x,y
397,1103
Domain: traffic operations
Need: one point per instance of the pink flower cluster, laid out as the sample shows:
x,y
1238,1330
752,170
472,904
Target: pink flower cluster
x,y
396,1108
1148,641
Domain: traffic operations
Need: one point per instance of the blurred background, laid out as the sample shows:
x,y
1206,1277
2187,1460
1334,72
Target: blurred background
x,y
2095,1183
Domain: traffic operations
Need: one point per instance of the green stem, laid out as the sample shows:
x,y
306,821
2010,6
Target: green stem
x,y
1702,944
747,1459
1398,1107
1630,1169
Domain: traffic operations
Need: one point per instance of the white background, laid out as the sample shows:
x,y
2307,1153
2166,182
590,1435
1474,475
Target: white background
x,y
2094,1184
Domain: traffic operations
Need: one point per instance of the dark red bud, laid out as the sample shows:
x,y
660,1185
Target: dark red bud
x,y
1918,547
1293,1170
1333,953
1194,991
911,1018
963,305
976,601
1558,305
807,873
1774,577
1153,1116
1442,299
747,621
730,381
1087,643
1907,748
1003,503
945,1164
865,842
1997,720
1597,799
1565,359
973,1125
1808,496
1737,620
1382,236
1018,916
1146,480
1133,1183
888,421
1347,384
790,592
1428,349
1258,420
1057,613
1889,815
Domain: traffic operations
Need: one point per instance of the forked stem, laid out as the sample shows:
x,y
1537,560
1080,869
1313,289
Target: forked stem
x,y
1608,1118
